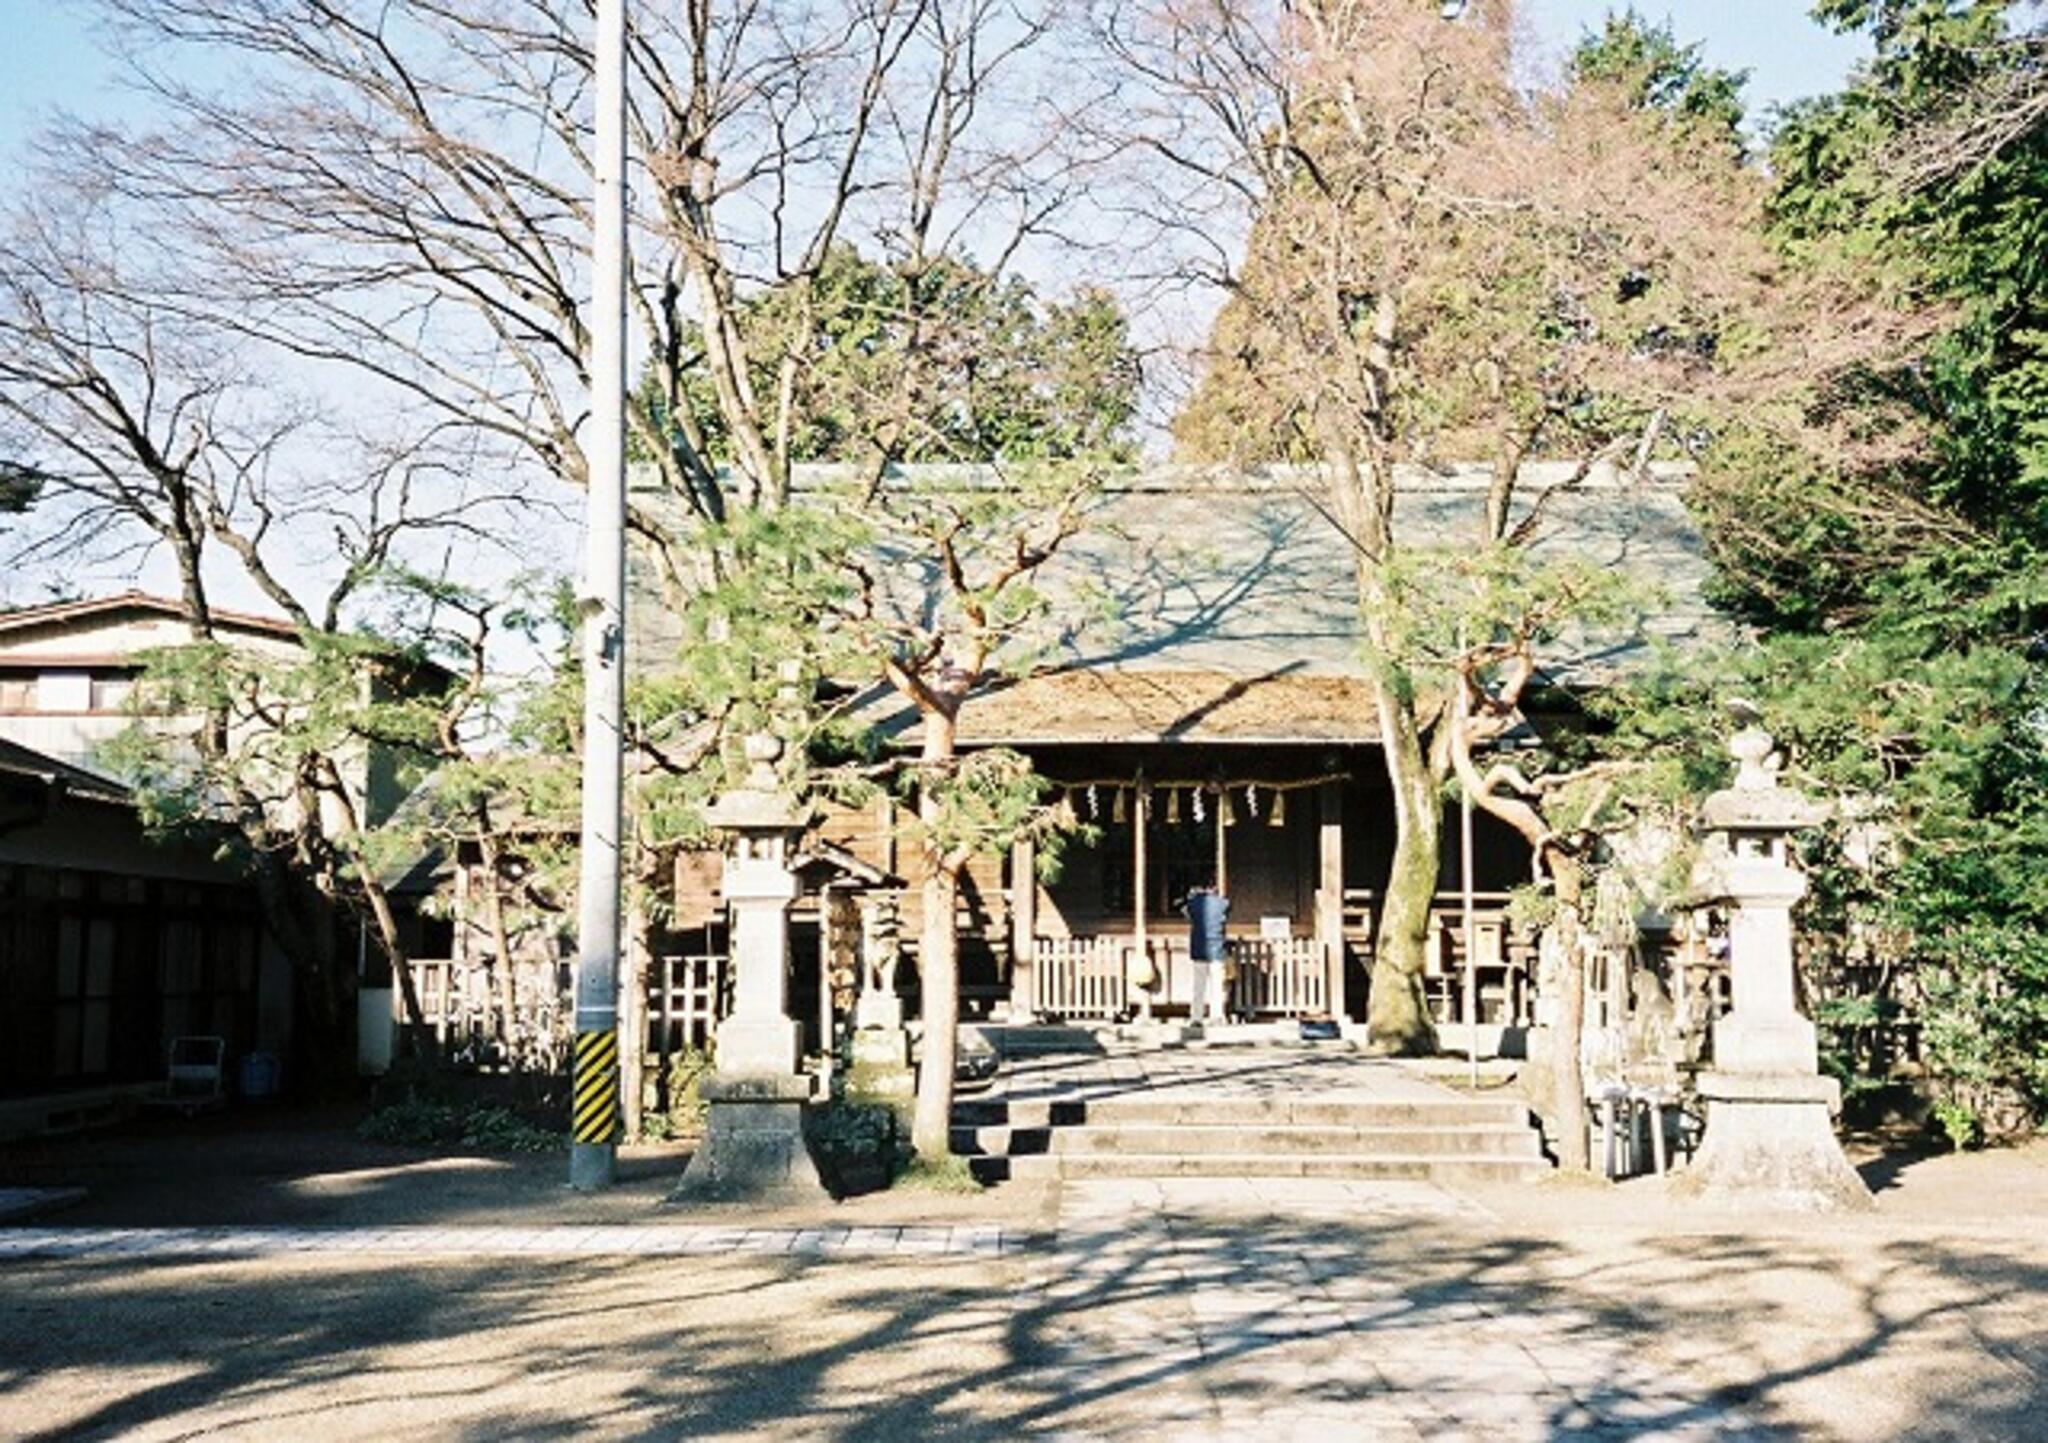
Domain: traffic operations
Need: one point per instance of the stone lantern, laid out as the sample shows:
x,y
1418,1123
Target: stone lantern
x,y
754,1139
1769,1131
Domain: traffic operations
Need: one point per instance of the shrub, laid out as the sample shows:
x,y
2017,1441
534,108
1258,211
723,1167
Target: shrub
x,y
670,1104
859,1146
421,1122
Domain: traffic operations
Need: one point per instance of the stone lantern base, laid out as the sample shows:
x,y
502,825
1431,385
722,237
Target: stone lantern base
x,y
754,1143
881,1049
1770,1141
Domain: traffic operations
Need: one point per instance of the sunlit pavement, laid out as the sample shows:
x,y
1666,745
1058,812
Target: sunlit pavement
x,y
1183,1309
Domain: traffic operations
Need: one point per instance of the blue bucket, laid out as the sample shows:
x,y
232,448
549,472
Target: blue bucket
x,y
259,1075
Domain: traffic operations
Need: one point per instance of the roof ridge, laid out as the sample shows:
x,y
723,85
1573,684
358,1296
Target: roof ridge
x,y
141,600
1410,476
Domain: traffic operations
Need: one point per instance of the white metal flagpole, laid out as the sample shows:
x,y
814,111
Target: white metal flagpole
x,y
1465,882
1471,935
594,1070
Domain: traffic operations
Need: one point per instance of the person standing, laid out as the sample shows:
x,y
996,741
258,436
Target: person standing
x,y
1206,910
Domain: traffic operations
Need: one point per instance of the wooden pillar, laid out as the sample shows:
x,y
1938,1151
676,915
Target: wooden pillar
x,y
1222,848
828,940
1140,893
1330,889
1023,930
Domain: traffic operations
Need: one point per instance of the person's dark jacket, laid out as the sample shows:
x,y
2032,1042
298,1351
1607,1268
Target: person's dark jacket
x,y
1206,912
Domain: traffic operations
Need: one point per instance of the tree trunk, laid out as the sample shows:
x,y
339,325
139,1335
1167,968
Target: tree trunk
x,y
633,1014
372,886
1567,1078
501,943
394,950
1397,1018
1397,1013
301,920
938,965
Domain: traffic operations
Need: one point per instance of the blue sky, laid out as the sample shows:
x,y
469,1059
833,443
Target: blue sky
x,y
50,58
1787,55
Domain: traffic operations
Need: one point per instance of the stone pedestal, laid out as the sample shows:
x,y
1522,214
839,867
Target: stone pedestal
x,y
1770,1142
881,1064
748,1047
754,1143
881,1049
878,1012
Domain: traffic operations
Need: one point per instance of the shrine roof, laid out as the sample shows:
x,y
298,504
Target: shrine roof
x,y
1221,605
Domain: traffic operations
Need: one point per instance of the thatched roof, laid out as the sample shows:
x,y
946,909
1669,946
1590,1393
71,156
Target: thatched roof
x,y
1108,705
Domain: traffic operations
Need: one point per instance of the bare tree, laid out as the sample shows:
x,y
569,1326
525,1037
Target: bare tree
x,y
151,432
404,192
400,192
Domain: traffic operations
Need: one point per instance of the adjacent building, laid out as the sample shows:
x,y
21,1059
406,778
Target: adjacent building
x,y
112,943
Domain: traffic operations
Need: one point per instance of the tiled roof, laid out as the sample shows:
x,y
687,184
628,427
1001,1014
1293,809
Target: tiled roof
x,y
1233,604
20,761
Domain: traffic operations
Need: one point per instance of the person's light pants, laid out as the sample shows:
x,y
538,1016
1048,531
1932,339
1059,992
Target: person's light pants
x,y
1206,1002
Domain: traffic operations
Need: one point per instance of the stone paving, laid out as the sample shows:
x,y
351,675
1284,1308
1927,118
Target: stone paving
x,y
1240,1309
1179,1308
1329,1071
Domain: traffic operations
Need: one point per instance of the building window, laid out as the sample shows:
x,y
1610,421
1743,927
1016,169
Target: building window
x,y
110,693
81,1015
17,693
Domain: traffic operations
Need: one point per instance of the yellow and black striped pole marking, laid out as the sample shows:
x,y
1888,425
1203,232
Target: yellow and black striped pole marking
x,y
595,1079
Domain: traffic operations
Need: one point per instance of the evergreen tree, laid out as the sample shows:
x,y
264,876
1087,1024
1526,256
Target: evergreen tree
x,y
1907,604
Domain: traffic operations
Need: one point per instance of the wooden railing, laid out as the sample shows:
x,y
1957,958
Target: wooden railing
x,y
1285,977
1088,978
1082,978
687,995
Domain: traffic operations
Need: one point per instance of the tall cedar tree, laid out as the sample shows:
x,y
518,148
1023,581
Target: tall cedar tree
x,y
1445,266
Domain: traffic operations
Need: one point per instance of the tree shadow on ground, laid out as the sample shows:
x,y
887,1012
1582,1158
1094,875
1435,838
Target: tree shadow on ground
x,y
1143,1325
1882,1173
306,1167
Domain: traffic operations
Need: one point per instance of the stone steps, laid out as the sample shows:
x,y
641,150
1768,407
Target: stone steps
x,y
1141,1135
1369,1167
1140,1109
1263,1140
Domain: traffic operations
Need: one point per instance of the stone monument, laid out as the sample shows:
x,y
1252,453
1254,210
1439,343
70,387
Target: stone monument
x,y
754,1138
1769,1132
881,1043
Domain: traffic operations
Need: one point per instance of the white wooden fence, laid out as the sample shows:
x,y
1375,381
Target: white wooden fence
x,y
1087,978
687,996
463,1008
1080,977
1284,977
